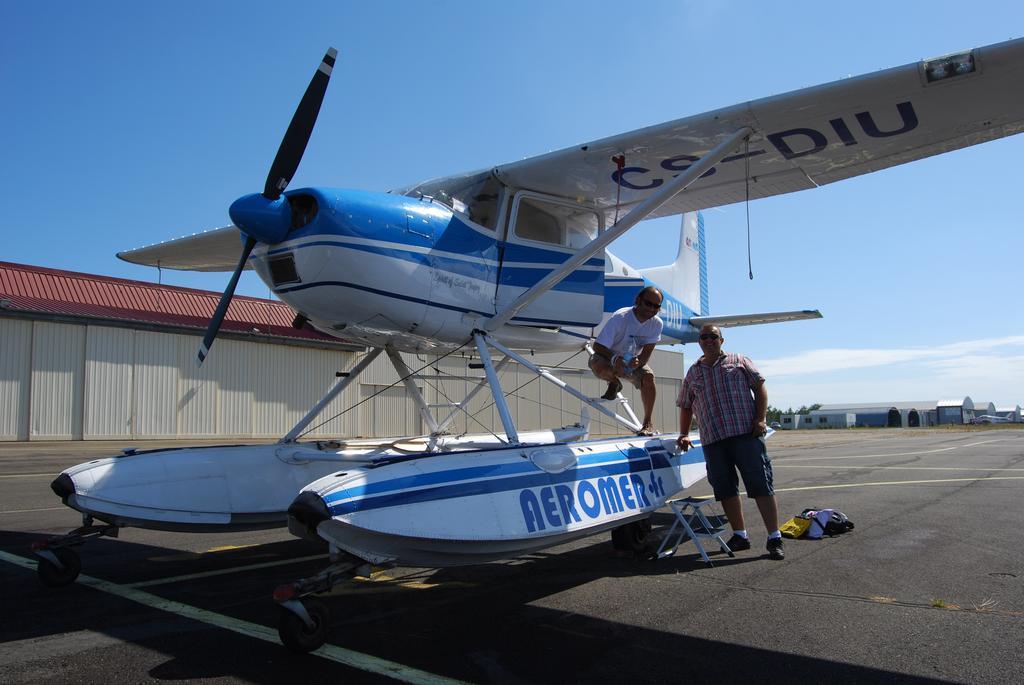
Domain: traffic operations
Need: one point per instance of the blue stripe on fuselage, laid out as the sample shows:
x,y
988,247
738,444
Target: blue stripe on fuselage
x,y
366,497
471,266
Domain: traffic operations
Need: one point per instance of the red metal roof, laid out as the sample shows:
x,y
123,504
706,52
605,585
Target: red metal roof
x,y
38,290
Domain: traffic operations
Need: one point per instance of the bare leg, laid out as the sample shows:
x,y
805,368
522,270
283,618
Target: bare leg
x,y
769,511
734,512
604,371
648,393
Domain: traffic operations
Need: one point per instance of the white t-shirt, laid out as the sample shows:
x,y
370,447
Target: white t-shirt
x,y
623,324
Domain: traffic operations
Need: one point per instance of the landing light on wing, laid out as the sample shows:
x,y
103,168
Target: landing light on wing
x,y
942,68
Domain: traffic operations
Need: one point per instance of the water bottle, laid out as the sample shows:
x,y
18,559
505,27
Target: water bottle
x,y
629,353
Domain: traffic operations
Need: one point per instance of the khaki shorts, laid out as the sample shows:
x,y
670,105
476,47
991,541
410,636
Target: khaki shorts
x,y
635,379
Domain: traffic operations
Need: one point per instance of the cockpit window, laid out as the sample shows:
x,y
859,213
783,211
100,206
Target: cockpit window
x,y
475,195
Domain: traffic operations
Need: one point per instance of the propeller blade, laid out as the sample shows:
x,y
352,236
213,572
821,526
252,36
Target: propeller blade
x,y
222,306
295,138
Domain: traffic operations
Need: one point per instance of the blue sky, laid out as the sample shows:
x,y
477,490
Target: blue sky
x,y
127,123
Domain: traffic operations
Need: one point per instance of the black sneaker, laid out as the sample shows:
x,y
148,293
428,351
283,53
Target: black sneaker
x,y
613,390
775,549
737,543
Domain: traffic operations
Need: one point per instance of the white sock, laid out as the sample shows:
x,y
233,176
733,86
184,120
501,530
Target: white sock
x,y
742,533
774,534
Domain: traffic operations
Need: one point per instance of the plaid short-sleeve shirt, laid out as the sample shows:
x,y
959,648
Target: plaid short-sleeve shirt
x,y
721,396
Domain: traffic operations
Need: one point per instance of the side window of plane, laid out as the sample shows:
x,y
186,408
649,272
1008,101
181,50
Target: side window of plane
x,y
534,223
581,228
555,222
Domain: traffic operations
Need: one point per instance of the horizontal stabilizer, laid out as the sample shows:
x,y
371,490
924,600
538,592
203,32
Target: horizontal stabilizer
x,y
214,250
754,319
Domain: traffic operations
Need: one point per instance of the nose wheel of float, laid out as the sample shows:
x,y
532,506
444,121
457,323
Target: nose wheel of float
x,y
304,621
59,565
303,625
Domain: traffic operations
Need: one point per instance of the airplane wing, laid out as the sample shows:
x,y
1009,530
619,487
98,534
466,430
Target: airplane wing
x,y
801,139
214,250
753,319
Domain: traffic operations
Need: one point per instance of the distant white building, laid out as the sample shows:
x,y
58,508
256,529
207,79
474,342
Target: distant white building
x,y
794,421
817,419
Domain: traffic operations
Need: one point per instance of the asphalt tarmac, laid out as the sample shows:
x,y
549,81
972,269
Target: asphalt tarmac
x,y
929,587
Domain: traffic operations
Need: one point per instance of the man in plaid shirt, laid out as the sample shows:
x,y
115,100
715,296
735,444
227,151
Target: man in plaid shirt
x,y
727,393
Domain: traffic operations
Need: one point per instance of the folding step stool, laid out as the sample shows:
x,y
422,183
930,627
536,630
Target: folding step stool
x,y
695,525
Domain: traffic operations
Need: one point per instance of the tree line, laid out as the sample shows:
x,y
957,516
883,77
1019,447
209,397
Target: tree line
x,y
775,414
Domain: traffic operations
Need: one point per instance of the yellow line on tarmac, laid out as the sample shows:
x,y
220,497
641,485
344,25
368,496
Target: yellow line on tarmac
x,y
28,511
195,555
29,475
223,571
348,657
897,482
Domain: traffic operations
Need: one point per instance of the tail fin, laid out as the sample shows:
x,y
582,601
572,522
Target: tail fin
x,y
686,279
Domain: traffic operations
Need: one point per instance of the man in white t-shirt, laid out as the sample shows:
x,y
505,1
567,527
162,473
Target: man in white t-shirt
x,y
631,331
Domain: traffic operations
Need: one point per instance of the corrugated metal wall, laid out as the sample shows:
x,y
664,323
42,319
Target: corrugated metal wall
x,y
109,363
58,381
65,382
15,375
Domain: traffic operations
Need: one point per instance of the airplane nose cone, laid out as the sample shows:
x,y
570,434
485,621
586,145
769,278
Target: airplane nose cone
x,y
268,221
63,487
309,510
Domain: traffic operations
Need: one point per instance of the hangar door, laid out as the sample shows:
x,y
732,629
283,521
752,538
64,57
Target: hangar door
x,y
387,412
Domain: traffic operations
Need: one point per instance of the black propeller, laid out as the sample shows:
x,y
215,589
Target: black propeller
x,y
225,300
295,138
266,217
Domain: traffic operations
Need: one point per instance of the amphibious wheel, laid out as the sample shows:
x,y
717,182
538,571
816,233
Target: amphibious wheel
x,y
632,537
52,575
296,635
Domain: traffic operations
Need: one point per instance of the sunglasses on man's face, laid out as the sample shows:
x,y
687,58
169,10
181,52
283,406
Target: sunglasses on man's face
x,y
708,336
652,305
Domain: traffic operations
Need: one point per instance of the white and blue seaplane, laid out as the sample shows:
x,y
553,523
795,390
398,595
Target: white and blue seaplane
x,y
504,260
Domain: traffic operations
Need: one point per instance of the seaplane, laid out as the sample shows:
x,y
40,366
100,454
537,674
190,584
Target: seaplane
x,y
503,261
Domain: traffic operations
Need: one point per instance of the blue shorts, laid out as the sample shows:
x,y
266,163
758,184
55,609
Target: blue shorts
x,y
745,453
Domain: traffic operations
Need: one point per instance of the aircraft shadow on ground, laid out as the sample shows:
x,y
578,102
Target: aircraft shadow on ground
x,y
475,623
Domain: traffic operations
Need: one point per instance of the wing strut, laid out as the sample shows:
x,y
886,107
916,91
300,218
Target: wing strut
x,y
635,215
511,434
406,374
342,383
483,341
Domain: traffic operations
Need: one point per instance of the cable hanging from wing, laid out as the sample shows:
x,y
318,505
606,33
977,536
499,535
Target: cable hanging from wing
x,y
620,163
746,179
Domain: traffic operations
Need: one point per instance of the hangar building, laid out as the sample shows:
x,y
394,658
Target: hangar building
x,y
86,357
921,413
955,411
884,414
1012,414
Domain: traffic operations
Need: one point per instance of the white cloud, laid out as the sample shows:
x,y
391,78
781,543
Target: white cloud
x,y
836,359
987,370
